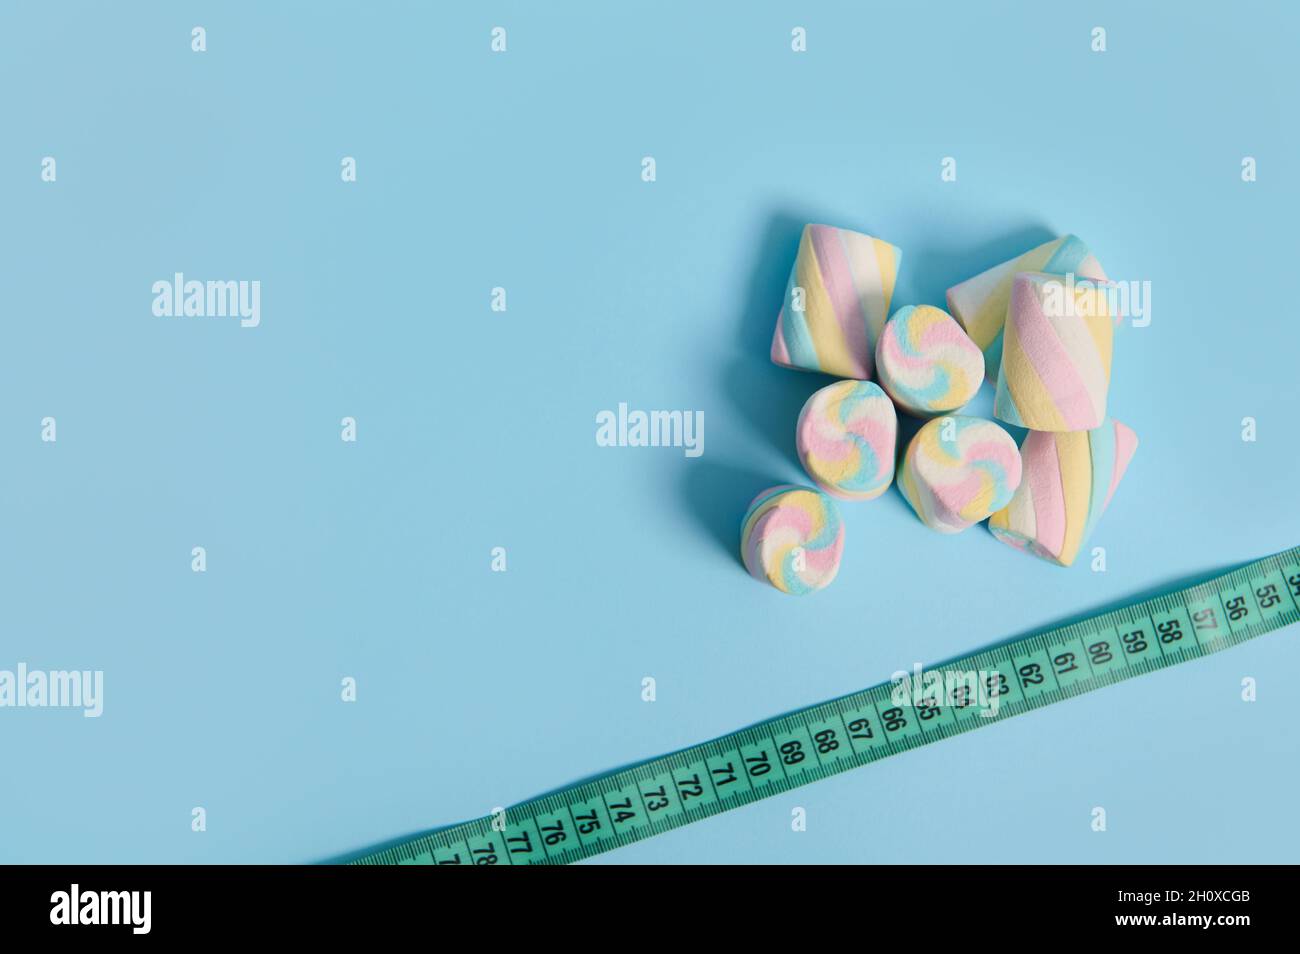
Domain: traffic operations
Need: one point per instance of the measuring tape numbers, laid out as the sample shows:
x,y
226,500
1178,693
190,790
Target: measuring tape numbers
x,y
780,754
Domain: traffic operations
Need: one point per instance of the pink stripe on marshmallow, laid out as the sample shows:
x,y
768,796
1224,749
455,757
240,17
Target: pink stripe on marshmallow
x,y
838,279
1052,363
1044,468
1126,443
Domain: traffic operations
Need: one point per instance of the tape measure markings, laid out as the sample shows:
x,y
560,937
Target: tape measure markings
x,y
825,739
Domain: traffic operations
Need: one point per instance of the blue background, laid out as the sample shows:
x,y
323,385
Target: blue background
x,y
476,429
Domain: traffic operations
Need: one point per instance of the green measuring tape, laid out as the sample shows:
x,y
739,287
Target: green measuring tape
x,y
822,740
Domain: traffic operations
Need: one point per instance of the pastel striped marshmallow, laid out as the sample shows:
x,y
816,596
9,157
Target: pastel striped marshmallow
x,y
846,438
926,362
792,538
836,302
1056,354
958,470
980,303
1069,481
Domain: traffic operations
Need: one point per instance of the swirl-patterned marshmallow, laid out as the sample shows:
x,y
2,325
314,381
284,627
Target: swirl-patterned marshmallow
x,y
836,302
792,538
980,303
846,438
926,362
958,470
1056,353
1069,481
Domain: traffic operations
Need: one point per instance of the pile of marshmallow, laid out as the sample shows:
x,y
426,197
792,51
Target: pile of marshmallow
x,y
1039,327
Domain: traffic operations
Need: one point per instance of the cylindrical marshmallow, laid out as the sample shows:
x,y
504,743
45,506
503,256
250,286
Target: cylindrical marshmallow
x,y
980,303
1056,352
836,302
958,470
792,538
846,438
926,362
1068,483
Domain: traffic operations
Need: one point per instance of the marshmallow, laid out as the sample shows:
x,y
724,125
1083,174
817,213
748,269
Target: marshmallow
x,y
1069,481
958,470
980,303
1055,354
926,362
836,302
792,537
846,437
